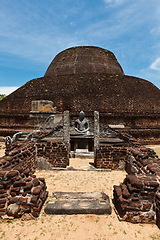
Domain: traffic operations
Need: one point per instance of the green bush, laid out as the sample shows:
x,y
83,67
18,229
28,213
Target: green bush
x,y
2,96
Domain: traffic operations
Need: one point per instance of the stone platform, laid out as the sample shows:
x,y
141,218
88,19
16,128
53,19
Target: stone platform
x,y
82,153
78,203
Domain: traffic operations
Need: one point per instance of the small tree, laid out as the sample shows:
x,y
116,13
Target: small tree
x,y
2,96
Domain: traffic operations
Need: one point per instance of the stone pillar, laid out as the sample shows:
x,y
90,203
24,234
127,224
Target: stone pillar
x,y
66,134
96,133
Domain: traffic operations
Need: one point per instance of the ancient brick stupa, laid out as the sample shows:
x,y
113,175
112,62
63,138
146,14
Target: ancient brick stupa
x,y
89,78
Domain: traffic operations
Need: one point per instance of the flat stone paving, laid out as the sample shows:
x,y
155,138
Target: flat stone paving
x,y
78,203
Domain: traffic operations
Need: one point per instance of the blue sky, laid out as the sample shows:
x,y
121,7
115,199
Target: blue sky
x,y
33,32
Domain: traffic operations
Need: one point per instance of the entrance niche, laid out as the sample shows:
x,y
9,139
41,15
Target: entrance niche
x,y
81,137
78,137
82,143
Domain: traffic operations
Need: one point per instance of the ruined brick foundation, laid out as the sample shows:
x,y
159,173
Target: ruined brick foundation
x,y
20,191
157,201
54,152
134,199
110,157
137,199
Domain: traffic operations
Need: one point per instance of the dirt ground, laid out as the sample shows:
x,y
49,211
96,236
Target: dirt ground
x,y
84,227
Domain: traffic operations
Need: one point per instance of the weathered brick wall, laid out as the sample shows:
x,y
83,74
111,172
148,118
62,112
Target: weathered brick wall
x,y
54,152
27,192
20,191
137,199
20,156
145,135
108,156
141,160
134,199
157,202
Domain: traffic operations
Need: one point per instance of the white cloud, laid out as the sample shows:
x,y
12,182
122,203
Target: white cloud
x,y
28,34
155,30
114,1
108,1
7,90
156,64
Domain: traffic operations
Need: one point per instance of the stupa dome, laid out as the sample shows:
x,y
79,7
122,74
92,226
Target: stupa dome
x,y
78,60
88,78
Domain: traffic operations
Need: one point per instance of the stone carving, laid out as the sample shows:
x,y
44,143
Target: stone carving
x,y
19,136
9,140
49,123
32,135
81,126
42,106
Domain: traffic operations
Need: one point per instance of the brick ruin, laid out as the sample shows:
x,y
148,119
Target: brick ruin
x,y
134,199
90,77
137,199
54,152
110,157
20,191
87,78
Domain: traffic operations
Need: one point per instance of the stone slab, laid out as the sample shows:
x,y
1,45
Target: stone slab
x,y
78,207
81,153
111,140
42,164
78,203
54,139
40,114
90,168
82,137
80,195
81,150
84,155
119,126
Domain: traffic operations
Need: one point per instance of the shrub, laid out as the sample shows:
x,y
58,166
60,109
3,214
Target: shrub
x,y
2,96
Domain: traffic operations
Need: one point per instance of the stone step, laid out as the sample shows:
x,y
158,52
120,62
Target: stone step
x,y
78,203
82,153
